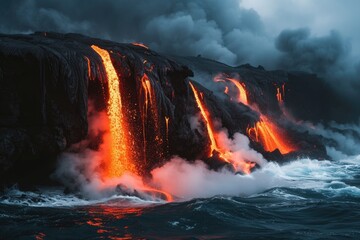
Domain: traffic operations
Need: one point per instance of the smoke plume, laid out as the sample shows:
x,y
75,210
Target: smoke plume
x,y
225,31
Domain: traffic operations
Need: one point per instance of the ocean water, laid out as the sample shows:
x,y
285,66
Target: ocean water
x,y
308,199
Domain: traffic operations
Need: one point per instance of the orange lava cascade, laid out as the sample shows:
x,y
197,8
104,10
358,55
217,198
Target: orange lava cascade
x,y
140,45
266,133
224,154
120,155
242,97
206,117
150,106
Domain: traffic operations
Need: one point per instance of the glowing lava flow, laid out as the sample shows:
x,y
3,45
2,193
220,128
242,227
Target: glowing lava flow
x,y
120,157
242,97
140,45
266,133
205,115
280,93
150,107
89,67
224,154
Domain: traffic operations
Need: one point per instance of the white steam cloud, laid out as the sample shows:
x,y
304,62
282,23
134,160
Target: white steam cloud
x,y
80,170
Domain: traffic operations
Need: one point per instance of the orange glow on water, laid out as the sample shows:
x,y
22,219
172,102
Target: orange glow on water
x,y
266,133
140,45
120,155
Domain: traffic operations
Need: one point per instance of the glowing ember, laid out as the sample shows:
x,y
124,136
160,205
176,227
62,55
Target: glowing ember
x,y
167,119
120,156
266,133
280,92
226,91
140,45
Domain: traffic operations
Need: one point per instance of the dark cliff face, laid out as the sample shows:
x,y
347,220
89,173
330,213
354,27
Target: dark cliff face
x,y
47,80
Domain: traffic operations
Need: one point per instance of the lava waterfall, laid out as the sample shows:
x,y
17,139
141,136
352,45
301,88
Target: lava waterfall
x,y
156,107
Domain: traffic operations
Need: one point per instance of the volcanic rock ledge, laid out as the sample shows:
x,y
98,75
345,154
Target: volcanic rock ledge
x,y
48,79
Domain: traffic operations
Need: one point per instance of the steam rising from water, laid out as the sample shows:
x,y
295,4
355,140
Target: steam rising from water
x,y
80,170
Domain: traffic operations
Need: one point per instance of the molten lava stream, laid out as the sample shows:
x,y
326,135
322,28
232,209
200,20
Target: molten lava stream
x,y
120,155
266,133
140,45
224,154
205,115
242,96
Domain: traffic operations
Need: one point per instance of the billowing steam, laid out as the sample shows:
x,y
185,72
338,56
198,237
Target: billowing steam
x,y
80,170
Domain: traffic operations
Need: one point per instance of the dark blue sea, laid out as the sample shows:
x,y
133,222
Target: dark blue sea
x,y
303,199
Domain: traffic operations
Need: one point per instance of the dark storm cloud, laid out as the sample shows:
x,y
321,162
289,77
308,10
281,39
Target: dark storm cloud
x,y
221,30
301,51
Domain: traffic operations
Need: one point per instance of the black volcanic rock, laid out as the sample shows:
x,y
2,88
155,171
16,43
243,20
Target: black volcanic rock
x,y
47,79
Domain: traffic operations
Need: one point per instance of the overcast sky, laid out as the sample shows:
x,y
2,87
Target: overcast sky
x,y
319,36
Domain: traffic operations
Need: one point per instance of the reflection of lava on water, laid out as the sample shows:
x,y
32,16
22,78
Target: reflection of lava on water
x,y
101,215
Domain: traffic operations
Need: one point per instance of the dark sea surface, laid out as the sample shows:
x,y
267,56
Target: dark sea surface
x,y
310,199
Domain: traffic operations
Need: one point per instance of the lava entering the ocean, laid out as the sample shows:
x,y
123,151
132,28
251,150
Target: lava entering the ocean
x,y
265,131
223,153
120,155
